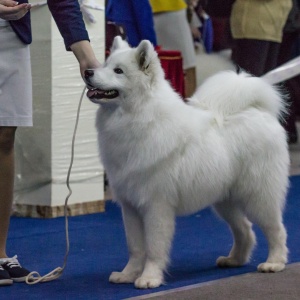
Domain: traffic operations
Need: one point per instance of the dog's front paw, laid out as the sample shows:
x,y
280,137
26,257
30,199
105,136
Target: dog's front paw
x,y
270,267
228,262
119,277
148,282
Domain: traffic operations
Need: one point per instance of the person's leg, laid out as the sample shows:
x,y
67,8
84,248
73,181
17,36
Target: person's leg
x,y
250,55
287,47
272,57
190,81
15,111
7,137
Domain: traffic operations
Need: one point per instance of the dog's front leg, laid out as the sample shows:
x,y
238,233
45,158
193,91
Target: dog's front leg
x,y
135,242
159,220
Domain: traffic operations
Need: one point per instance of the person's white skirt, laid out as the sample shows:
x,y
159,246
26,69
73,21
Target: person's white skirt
x,y
15,80
173,33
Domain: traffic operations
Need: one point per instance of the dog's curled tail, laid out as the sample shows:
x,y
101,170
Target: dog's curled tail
x,y
228,93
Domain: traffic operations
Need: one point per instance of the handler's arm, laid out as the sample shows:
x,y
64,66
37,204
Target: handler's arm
x,y
69,20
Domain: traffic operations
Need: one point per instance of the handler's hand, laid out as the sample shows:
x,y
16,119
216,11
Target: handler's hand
x,y
10,10
85,56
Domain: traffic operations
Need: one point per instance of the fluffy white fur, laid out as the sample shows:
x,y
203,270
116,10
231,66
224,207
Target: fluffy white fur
x,y
164,157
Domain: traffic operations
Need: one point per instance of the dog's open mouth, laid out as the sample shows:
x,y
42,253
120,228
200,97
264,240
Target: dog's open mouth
x,y
95,94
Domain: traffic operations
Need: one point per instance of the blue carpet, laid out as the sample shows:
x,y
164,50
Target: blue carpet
x,y
98,247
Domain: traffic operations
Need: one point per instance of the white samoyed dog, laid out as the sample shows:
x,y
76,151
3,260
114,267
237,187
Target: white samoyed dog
x,y
164,157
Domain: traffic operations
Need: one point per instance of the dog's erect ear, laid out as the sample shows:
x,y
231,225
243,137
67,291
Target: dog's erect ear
x,y
118,43
144,54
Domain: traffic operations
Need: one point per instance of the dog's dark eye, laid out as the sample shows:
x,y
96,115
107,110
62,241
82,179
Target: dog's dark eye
x,y
118,71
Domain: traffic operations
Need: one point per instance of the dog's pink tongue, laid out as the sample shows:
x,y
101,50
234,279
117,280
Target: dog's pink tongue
x,y
95,94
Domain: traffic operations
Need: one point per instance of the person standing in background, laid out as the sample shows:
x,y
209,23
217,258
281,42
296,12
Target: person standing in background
x,y
257,28
173,33
16,96
135,16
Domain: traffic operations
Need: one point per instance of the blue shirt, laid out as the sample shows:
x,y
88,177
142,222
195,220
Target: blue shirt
x,y
135,16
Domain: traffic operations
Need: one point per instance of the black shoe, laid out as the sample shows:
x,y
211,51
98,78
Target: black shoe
x,y
4,277
16,272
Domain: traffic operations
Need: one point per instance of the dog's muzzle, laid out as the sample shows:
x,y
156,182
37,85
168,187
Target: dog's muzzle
x,y
95,94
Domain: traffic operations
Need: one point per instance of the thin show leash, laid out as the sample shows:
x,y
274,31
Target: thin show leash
x,y
34,277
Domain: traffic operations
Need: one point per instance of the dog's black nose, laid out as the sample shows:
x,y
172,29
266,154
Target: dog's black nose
x,y
88,73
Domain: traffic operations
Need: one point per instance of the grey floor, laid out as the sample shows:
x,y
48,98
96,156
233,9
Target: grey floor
x,y
252,286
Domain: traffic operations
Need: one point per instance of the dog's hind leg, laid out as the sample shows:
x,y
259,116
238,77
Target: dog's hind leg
x,y
244,237
135,242
276,236
159,223
268,217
